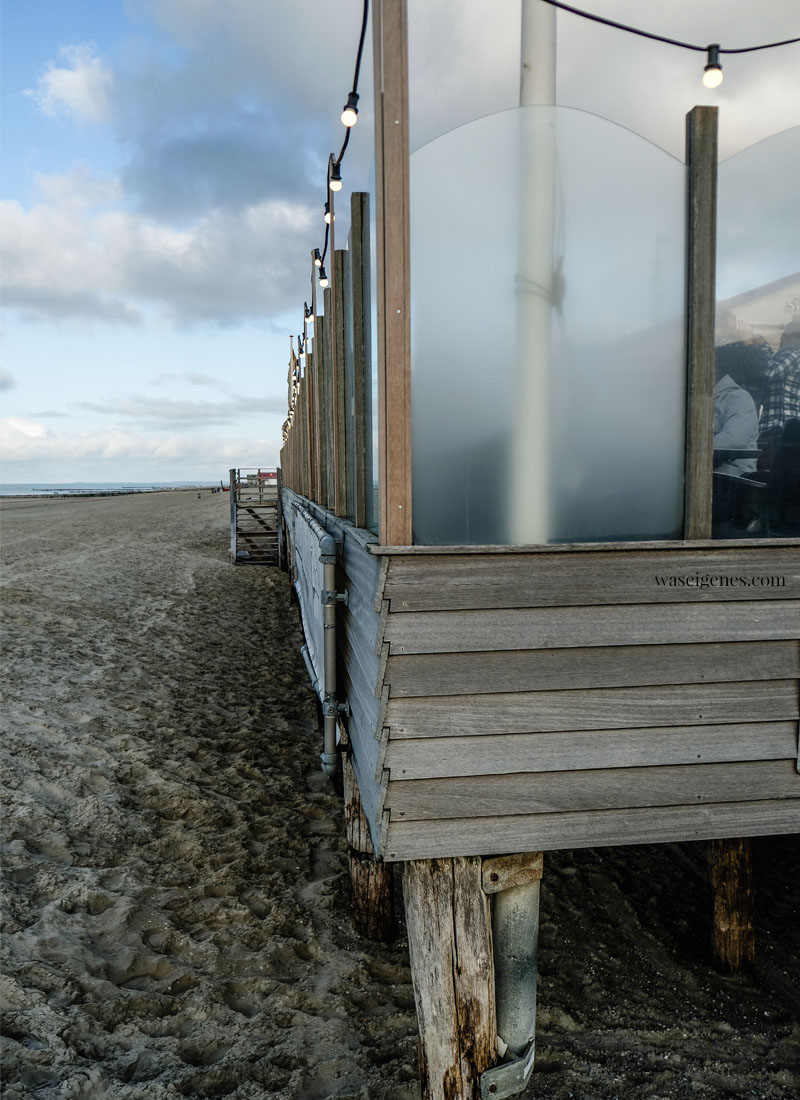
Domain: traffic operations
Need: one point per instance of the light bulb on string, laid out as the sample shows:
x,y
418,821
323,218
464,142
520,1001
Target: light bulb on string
x,y
712,73
328,216
317,258
335,182
323,278
350,112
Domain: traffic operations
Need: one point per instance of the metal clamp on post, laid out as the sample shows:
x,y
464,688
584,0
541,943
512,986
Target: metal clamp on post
x,y
331,596
509,1078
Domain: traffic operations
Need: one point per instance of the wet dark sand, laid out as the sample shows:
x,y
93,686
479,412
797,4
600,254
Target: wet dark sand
x,y
175,896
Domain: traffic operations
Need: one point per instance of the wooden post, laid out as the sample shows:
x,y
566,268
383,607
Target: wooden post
x,y
371,882
341,324
450,947
701,161
310,426
733,940
328,386
323,443
390,36
332,296
730,861
362,355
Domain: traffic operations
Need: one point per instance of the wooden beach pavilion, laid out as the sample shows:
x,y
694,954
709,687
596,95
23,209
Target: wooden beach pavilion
x,y
528,622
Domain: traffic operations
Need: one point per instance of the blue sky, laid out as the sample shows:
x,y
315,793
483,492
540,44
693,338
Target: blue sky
x,y
163,180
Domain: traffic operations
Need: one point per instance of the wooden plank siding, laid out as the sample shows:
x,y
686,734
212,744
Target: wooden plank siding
x,y
461,582
546,698
361,658
535,699
559,627
596,828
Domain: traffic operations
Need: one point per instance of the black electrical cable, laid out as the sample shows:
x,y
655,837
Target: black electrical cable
x,y
360,46
356,74
659,37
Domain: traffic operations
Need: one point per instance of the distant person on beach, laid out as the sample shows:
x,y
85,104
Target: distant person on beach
x,y
735,413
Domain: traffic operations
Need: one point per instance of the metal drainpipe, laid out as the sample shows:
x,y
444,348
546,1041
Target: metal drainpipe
x,y
330,706
515,934
515,931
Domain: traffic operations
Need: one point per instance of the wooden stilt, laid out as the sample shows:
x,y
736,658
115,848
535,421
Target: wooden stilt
x,y
450,946
733,932
371,882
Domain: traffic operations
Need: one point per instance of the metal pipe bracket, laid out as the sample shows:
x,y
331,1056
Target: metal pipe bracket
x,y
509,1078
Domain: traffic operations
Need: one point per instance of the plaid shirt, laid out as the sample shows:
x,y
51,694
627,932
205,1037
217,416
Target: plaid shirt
x,y
782,398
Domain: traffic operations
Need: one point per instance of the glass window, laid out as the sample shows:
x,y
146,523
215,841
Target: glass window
x,y
757,391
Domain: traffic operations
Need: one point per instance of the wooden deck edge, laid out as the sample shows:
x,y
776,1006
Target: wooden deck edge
x,y
580,829
378,548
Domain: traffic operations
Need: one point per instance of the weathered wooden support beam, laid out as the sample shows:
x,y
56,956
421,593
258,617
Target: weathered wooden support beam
x,y
450,947
344,429
329,404
371,882
733,941
311,426
361,284
390,30
701,161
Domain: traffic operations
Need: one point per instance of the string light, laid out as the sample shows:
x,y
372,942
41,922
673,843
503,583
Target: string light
x,y
323,278
350,112
317,258
329,217
335,181
712,74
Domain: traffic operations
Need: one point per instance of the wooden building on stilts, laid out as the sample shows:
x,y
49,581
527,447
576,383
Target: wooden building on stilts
x,y
544,608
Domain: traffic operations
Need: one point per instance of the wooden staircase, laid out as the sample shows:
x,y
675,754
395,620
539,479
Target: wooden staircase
x,y
255,509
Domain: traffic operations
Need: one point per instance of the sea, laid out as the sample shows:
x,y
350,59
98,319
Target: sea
x,y
94,488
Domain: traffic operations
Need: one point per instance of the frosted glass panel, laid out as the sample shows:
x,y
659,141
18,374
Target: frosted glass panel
x,y
612,428
758,339
463,63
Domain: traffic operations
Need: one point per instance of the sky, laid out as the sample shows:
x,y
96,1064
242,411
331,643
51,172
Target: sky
x,y
163,180
163,168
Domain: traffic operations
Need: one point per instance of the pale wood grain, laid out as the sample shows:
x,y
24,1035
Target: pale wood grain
x,y
434,758
496,835
596,790
544,628
601,666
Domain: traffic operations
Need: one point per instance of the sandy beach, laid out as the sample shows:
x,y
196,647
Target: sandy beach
x,y
175,896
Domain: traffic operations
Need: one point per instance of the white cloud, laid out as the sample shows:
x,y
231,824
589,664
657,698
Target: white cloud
x,y
81,91
16,430
170,412
194,378
115,452
66,259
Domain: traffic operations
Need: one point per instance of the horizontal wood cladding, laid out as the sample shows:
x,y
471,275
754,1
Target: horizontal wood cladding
x,y
592,708
576,627
453,582
469,835
434,758
606,789
603,666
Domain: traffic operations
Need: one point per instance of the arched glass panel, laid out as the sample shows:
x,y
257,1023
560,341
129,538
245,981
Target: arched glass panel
x,y
547,243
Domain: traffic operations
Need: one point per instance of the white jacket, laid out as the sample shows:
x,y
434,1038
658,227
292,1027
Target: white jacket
x,y
735,425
